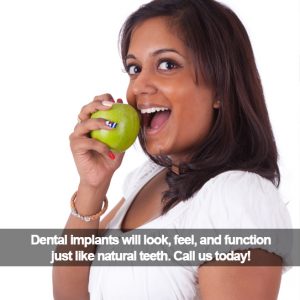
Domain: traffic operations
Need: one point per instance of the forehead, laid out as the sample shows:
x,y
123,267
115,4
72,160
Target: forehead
x,y
153,34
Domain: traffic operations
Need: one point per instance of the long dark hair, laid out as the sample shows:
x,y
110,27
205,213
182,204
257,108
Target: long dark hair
x,y
241,137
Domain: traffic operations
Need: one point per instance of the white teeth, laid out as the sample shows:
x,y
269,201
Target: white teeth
x,y
152,110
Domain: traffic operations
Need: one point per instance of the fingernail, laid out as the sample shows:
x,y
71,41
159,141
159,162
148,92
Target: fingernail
x,y
111,155
107,103
119,100
111,124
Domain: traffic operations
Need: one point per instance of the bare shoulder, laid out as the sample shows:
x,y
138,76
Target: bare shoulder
x,y
232,282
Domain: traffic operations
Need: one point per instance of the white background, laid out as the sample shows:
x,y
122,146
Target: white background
x,y
55,56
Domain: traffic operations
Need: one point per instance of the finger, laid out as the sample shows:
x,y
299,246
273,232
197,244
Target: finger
x,y
107,97
92,107
85,127
84,144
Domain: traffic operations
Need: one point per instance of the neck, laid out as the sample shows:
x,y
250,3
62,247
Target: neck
x,y
175,169
177,160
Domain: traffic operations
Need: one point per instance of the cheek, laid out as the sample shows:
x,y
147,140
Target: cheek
x,y
195,117
176,91
195,122
203,123
130,96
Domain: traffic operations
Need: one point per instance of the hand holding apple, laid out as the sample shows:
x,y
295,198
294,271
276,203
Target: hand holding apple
x,y
127,128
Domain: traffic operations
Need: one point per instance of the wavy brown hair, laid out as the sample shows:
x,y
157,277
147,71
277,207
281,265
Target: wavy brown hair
x,y
241,137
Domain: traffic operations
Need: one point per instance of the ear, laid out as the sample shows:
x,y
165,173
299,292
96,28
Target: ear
x,y
217,104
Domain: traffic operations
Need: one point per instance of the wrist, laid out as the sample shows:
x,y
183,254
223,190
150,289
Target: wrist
x,y
89,199
87,218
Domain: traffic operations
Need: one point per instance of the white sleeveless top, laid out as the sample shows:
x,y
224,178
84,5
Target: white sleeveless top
x,y
233,199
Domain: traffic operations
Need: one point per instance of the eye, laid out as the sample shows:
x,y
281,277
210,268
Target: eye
x,y
133,69
167,65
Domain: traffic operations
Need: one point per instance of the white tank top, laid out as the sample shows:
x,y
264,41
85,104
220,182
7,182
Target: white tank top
x,y
233,199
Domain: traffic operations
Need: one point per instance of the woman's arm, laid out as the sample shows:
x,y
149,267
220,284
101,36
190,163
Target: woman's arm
x,y
96,166
71,282
242,282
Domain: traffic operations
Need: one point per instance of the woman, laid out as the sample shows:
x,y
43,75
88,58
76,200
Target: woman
x,y
213,156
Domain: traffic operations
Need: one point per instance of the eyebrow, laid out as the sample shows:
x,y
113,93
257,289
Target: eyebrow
x,y
157,52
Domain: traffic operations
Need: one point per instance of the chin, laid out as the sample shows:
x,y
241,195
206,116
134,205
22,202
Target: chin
x,y
177,157
157,150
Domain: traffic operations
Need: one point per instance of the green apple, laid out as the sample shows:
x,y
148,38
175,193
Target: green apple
x,y
128,125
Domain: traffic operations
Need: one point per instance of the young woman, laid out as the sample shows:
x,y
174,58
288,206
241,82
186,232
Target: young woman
x,y
213,159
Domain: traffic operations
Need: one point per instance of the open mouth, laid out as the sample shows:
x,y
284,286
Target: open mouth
x,y
154,118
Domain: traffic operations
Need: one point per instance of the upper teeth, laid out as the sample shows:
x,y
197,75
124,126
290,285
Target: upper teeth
x,y
152,110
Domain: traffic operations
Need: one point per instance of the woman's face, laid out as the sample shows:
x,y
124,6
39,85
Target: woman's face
x,y
176,112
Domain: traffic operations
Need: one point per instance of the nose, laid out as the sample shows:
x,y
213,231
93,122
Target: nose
x,y
144,83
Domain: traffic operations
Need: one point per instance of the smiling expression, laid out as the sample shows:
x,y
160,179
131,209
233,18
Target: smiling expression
x,y
162,78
